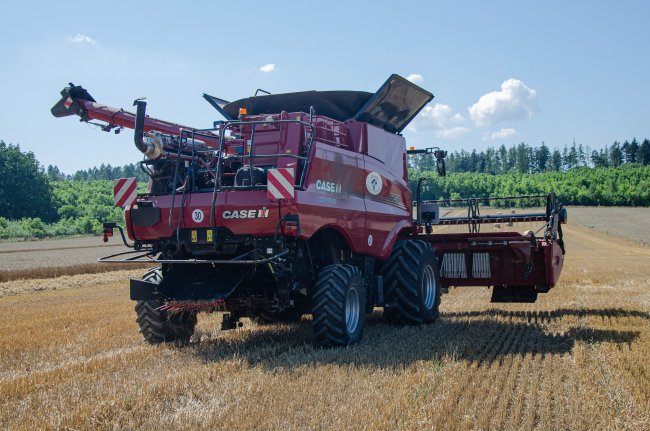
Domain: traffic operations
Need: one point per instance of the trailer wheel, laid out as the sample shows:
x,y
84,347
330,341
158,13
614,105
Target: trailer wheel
x,y
158,326
338,306
412,284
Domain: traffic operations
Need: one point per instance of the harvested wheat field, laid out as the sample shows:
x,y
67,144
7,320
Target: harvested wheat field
x,y
71,358
58,257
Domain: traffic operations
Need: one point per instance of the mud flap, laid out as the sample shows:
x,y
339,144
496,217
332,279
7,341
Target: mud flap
x,y
526,294
142,290
201,282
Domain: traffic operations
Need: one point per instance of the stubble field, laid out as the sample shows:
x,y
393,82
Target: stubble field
x,y
71,358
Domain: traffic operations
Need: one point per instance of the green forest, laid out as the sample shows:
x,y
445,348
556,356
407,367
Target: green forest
x,y
524,159
36,202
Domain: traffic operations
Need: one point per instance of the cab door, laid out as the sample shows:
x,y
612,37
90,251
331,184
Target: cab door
x,y
387,195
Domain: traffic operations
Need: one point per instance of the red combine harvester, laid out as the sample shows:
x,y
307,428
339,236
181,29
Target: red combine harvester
x,y
299,203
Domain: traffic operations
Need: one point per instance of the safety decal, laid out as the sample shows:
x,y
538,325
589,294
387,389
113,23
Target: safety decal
x,y
280,183
374,183
125,190
197,216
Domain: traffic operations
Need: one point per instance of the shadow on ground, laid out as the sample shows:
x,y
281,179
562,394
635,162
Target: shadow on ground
x,y
481,337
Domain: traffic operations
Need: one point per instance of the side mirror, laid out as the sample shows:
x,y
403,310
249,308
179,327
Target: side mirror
x,y
437,153
440,167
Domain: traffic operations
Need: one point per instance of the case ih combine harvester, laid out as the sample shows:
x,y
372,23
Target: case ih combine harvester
x,y
300,203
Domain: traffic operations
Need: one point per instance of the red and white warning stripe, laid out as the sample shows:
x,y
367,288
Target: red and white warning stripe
x,y
280,183
124,191
68,102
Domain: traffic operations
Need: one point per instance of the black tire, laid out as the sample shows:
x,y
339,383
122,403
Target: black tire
x,y
338,306
158,326
409,277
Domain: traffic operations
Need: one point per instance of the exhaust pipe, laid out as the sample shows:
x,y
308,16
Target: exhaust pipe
x,y
151,150
138,137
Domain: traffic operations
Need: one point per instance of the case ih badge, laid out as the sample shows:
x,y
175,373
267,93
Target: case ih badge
x,y
125,190
280,183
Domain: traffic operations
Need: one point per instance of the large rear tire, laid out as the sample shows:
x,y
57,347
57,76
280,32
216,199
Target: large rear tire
x,y
159,326
412,284
338,306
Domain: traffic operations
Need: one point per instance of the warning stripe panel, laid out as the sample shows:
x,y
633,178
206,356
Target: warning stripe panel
x,y
121,187
280,183
275,190
124,191
280,186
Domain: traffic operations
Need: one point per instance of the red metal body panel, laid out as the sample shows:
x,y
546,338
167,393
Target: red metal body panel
x,y
554,262
335,193
513,259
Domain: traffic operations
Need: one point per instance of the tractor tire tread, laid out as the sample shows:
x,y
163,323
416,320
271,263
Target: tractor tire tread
x,y
402,285
328,304
157,326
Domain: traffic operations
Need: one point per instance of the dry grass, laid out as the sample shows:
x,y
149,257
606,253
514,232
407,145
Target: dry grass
x,y
50,257
625,222
577,359
54,258
59,271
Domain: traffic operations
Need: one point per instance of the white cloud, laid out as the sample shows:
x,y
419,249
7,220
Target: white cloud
x,y
501,134
436,117
268,68
81,38
452,132
515,101
415,78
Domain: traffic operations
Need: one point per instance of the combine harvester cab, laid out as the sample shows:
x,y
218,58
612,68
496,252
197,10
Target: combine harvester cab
x,y
298,204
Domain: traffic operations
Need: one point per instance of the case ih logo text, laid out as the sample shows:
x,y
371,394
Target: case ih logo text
x,y
328,186
260,213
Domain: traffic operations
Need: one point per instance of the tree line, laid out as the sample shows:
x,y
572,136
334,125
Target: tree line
x,y
36,202
525,159
104,172
626,185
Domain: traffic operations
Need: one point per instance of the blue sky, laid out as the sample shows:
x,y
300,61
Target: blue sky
x,y
502,72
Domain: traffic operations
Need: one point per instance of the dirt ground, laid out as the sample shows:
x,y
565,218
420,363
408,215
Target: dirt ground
x,y
71,358
29,255
625,222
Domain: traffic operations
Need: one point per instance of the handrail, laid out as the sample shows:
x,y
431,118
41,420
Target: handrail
x,y
223,126
311,143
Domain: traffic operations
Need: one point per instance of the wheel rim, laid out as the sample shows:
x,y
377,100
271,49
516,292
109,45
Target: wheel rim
x,y
352,310
429,287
